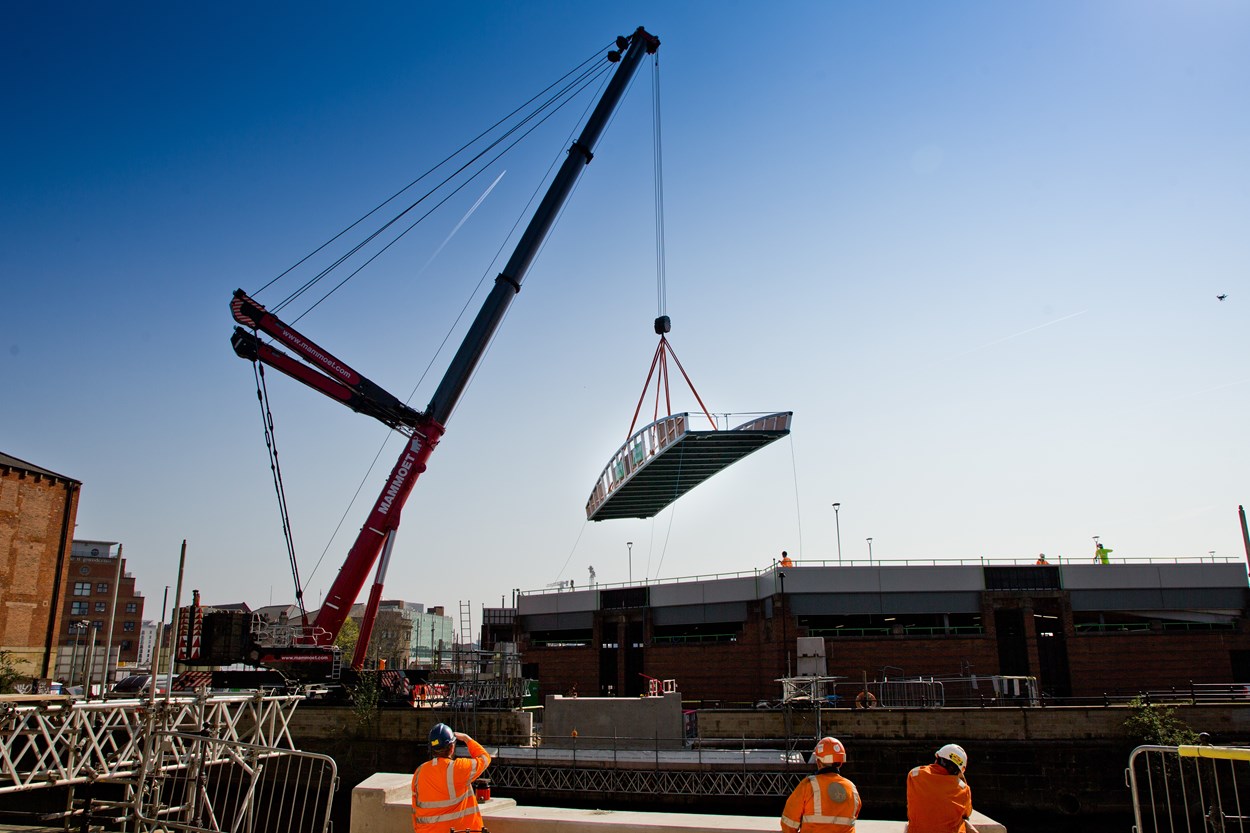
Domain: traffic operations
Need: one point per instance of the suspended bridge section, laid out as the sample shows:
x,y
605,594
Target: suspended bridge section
x,y
666,459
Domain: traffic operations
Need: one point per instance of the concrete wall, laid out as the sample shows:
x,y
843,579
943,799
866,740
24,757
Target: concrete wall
x,y
1062,723
635,722
381,804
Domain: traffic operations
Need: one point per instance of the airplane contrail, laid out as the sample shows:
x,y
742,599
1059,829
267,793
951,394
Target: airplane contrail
x,y
463,220
1017,335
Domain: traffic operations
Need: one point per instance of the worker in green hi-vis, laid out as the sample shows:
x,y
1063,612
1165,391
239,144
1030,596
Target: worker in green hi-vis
x,y
1100,555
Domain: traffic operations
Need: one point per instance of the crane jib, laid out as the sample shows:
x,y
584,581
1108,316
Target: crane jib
x,y
427,427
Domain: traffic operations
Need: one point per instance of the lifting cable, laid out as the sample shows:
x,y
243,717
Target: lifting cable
x,y
581,76
566,89
262,396
662,322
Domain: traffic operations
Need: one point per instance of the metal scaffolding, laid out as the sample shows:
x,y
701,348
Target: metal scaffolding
x,y
191,763
659,772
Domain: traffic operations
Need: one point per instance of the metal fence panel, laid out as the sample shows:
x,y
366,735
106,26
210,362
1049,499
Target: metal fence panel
x,y
205,785
1190,789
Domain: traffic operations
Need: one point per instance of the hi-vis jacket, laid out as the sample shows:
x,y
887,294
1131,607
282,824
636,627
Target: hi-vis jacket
x,y
442,791
822,803
937,802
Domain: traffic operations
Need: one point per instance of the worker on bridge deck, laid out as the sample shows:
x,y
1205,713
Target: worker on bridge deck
x,y
785,560
442,787
939,800
825,802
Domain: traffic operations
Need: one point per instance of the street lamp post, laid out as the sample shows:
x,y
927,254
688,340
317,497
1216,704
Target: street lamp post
x,y
630,546
77,628
838,523
869,552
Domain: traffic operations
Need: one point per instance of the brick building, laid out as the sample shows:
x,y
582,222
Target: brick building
x,y
37,512
89,598
1081,630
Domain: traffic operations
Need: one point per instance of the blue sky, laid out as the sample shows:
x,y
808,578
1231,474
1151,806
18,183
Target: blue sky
x,y
974,246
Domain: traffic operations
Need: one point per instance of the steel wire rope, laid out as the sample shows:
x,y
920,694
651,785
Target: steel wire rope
x,y
539,188
595,57
570,91
271,443
582,82
794,470
611,120
658,162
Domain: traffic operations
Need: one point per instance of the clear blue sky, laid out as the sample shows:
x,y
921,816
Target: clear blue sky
x,y
974,246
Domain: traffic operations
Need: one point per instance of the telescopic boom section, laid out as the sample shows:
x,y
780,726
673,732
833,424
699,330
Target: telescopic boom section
x,y
508,283
384,518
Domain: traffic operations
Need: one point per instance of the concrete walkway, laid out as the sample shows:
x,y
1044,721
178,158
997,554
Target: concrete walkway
x,y
382,804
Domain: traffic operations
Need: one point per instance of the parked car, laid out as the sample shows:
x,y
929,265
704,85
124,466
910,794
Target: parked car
x,y
138,685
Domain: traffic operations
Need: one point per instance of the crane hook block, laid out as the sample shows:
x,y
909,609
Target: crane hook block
x,y
663,325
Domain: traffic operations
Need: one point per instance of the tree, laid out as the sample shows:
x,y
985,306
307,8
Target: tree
x,y
1157,725
9,674
348,634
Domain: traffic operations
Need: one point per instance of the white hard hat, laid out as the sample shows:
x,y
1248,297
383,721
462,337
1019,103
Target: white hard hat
x,y
954,753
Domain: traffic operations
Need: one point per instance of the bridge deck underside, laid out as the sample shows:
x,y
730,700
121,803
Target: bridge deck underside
x,y
679,468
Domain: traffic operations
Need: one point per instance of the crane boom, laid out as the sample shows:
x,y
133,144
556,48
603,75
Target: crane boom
x,y
424,429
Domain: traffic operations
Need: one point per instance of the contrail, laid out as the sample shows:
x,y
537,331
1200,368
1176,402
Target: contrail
x,y
463,220
1017,335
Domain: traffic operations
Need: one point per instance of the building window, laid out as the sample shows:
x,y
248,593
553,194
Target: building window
x,y
77,609
84,571
95,552
128,626
125,644
132,607
98,624
100,607
102,587
82,588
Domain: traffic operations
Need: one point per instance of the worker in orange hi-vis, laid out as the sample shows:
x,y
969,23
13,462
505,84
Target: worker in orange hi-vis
x,y
825,802
442,787
785,560
939,800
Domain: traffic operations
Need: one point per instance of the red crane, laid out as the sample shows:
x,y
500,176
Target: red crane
x,y
320,370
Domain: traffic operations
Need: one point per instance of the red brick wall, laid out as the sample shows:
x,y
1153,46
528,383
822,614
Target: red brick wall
x,y
33,532
102,571
745,672
1129,662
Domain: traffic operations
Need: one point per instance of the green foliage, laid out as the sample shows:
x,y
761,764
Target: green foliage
x,y
1157,725
8,672
365,695
348,634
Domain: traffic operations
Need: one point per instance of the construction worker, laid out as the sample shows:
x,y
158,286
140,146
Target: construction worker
x,y
1041,560
939,800
442,787
1100,555
825,802
785,560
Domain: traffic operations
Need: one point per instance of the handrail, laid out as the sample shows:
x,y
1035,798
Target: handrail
x,y
799,564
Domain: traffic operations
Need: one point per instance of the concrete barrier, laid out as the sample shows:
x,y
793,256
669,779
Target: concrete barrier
x,y
382,804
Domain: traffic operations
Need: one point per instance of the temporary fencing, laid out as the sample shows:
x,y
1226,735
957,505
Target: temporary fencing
x,y
1190,788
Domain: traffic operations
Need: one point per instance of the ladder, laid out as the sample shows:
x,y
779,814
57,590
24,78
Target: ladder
x,y
466,639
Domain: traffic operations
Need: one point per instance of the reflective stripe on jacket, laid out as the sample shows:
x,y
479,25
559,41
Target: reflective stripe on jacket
x,y
442,791
937,802
822,803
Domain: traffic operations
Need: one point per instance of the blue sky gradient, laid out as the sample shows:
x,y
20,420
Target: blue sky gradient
x,y
974,246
